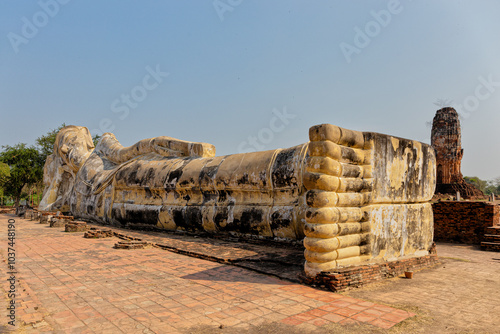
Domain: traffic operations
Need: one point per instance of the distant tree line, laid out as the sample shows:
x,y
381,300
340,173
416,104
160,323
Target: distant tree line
x,y
488,187
21,167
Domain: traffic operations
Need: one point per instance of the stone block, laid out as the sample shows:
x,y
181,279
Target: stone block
x,y
76,226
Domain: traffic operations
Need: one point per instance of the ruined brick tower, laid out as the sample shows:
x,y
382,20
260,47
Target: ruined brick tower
x,y
446,138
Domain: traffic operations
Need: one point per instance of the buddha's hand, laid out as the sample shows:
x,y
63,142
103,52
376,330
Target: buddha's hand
x,y
171,147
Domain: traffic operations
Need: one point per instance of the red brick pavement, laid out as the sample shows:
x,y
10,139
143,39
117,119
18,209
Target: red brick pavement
x,y
69,284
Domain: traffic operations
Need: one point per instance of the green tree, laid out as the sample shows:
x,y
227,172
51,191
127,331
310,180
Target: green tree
x,y
493,186
4,172
4,175
477,182
46,142
25,168
96,139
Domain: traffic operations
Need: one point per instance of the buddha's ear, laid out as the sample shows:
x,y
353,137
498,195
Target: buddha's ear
x,y
64,149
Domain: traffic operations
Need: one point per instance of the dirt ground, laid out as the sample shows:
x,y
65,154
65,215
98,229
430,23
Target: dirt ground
x,y
461,295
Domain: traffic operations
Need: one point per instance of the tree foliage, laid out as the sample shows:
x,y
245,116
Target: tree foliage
x,y
96,139
4,175
486,186
46,142
477,182
22,166
25,168
4,172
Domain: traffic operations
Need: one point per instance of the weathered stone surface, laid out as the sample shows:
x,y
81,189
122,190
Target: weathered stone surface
x,y
76,227
446,139
21,210
355,196
59,221
46,216
378,209
31,214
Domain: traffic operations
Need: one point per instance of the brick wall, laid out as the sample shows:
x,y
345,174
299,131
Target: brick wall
x,y
463,221
357,276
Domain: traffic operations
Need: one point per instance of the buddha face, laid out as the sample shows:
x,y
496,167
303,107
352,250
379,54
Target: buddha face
x,y
72,147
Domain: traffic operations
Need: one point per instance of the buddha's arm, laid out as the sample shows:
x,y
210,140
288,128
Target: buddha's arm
x,y
165,146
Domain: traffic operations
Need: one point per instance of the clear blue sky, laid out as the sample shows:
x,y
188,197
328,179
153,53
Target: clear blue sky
x,y
233,66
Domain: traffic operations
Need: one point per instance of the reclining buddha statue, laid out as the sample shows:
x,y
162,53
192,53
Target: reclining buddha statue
x,y
351,196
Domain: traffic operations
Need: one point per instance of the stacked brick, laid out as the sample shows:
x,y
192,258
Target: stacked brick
x,y
94,233
76,227
46,216
354,277
446,139
491,240
464,221
31,214
60,221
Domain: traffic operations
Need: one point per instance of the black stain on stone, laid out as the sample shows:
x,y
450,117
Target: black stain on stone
x,y
243,179
186,182
145,215
311,197
90,209
193,218
283,171
222,196
279,221
350,170
350,141
189,218
132,177
209,196
220,218
174,175
178,217
208,172
349,154
150,175
263,178
250,221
